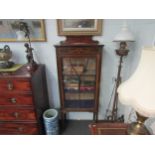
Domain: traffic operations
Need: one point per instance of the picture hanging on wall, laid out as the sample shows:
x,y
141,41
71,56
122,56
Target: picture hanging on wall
x,y
70,27
10,31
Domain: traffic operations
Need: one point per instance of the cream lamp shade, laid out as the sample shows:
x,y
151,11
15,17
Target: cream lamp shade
x,y
124,35
20,35
139,90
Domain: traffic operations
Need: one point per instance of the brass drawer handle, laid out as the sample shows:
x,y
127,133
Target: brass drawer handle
x,y
10,85
16,114
13,100
20,129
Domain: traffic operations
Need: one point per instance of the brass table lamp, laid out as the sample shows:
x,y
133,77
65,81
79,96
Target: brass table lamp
x,y
138,91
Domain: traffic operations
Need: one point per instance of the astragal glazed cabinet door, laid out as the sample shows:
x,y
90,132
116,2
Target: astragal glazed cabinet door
x,y
79,69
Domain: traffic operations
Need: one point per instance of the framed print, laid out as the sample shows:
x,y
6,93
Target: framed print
x,y
70,27
9,30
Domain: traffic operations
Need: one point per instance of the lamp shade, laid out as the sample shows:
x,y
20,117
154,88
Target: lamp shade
x,y
138,90
124,35
20,35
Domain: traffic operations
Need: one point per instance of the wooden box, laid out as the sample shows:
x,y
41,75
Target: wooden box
x,y
108,128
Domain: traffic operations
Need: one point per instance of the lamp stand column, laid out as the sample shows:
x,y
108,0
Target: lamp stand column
x,y
118,81
121,52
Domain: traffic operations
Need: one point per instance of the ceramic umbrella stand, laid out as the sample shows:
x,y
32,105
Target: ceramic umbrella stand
x,y
50,117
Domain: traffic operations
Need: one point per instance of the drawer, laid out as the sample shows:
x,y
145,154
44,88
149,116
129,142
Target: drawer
x,y
18,128
14,85
14,99
17,114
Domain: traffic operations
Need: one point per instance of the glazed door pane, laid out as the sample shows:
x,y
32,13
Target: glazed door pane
x,y
79,76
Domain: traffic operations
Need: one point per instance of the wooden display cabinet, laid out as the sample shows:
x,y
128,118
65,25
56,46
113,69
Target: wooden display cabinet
x,y
79,67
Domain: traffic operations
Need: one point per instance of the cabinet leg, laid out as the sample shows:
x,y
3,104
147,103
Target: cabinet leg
x,y
95,116
63,119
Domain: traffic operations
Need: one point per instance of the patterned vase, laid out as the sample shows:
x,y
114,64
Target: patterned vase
x,y
51,123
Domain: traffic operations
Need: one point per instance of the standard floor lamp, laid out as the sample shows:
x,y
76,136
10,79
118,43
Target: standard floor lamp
x,y
123,37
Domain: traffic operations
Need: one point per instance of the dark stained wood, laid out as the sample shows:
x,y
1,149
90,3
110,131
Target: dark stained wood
x,y
108,128
70,40
20,73
17,114
13,99
18,128
81,51
23,99
80,48
40,94
11,85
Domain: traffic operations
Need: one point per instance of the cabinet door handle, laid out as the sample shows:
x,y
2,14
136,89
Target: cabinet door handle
x,y
16,114
10,86
13,100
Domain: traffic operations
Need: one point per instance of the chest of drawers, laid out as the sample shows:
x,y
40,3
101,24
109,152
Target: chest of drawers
x,y
23,99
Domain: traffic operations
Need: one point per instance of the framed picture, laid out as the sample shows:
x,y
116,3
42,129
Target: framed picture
x,y
10,32
70,27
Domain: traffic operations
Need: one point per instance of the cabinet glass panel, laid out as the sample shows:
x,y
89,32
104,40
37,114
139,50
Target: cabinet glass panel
x,y
79,75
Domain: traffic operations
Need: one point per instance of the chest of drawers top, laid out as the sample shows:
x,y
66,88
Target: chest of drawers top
x,y
16,81
20,73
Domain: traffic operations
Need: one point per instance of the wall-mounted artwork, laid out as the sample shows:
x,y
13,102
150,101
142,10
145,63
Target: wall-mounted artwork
x,y
68,27
10,32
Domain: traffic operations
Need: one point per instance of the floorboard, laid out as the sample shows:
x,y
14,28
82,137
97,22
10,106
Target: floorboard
x,y
76,127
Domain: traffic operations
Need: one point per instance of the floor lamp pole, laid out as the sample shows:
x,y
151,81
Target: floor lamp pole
x,y
121,52
118,81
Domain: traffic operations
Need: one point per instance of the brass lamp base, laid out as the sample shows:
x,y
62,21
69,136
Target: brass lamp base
x,y
138,128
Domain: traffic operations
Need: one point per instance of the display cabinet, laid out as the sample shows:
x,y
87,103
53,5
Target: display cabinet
x,y
79,67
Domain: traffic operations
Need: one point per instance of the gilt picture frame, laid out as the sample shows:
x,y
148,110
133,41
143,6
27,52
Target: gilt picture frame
x,y
9,30
73,27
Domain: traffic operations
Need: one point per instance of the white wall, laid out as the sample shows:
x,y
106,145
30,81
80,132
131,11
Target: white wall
x,y
144,32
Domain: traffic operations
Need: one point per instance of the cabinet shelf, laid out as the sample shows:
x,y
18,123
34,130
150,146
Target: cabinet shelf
x,y
79,103
81,91
73,74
